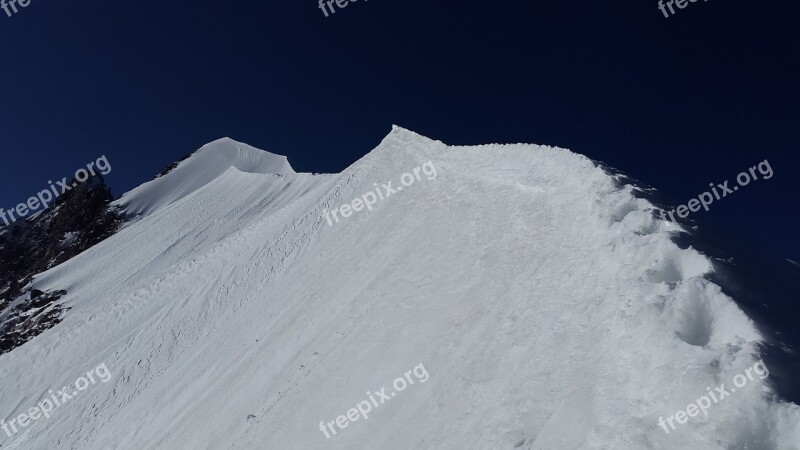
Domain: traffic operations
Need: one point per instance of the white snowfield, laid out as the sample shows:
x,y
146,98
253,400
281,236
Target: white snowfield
x,y
548,305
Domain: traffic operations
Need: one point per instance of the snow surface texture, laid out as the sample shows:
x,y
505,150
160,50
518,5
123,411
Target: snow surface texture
x,y
548,305
205,165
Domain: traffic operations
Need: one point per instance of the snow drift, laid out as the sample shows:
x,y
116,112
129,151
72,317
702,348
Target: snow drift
x,y
549,305
204,166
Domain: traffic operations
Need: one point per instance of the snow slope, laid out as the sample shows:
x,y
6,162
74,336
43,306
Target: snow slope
x,y
205,165
549,306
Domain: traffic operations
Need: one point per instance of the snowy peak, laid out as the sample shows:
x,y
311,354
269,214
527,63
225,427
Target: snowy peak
x,y
226,153
546,303
403,135
400,131
199,169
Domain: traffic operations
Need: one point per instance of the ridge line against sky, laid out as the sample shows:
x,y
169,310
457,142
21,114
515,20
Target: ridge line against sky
x,y
676,103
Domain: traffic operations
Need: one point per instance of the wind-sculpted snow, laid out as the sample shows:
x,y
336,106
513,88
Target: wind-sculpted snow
x,y
549,306
205,165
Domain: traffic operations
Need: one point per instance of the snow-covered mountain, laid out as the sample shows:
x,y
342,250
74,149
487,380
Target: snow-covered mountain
x,y
79,219
204,166
547,304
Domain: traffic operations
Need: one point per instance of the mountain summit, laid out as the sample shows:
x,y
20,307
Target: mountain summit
x,y
198,169
549,305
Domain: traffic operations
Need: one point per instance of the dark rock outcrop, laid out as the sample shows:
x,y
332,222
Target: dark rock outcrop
x,y
78,220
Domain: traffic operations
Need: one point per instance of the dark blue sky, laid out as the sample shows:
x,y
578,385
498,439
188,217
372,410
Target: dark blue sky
x,y
677,103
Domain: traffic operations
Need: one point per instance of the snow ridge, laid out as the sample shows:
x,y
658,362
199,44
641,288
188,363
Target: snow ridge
x,y
203,166
548,304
